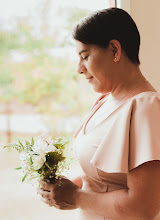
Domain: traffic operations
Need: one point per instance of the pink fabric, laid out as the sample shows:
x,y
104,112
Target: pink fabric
x,y
93,109
133,137
122,139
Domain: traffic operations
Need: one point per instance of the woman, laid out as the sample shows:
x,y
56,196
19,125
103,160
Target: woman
x,y
118,145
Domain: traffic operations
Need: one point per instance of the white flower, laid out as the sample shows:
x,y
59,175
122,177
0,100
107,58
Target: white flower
x,y
25,160
51,148
38,161
41,146
46,138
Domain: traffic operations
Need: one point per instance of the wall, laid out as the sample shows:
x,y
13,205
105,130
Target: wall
x,y
147,17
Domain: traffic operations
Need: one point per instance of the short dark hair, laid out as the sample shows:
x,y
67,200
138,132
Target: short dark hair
x,y
107,24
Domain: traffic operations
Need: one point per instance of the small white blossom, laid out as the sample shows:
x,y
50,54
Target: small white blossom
x,y
25,160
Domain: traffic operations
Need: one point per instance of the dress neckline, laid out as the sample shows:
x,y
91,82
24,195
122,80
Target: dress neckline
x,y
101,100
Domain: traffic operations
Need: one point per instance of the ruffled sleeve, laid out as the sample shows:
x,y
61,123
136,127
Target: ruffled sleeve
x,y
145,131
133,137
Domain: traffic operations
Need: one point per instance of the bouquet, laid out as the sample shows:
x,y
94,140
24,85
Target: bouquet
x,y
42,158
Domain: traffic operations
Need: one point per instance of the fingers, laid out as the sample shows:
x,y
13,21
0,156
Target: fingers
x,y
45,194
62,205
46,185
47,201
50,202
65,206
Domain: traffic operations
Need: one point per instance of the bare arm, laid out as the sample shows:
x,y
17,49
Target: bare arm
x,y
140,201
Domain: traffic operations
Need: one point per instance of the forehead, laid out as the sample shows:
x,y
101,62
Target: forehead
x,y
81,46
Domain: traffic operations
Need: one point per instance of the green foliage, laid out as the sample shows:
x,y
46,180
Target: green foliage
x,y
25,176
18,168
54,159
50,167
47,82
17,147
32,141
6,78
75,14
21,147
9,41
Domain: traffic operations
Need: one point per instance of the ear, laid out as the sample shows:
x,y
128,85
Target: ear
x,y
115,46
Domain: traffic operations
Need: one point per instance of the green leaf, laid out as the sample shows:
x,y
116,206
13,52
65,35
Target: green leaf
x,y
27,143
20,143
9,145
32,141
23,179
18,168
6,146
14,146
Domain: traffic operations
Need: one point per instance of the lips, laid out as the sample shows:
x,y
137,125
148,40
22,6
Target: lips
x,y
89,77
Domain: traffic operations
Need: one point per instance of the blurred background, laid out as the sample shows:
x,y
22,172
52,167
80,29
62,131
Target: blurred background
x,y
40,92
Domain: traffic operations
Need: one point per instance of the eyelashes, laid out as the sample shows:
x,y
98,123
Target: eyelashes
x,y
85,58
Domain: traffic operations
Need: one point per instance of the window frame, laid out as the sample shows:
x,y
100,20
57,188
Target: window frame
x,y
124,4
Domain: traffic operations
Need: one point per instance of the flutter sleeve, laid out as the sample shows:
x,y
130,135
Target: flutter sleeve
x,y
145,131
133,137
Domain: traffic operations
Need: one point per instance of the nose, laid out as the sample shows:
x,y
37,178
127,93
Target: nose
x,y
81,68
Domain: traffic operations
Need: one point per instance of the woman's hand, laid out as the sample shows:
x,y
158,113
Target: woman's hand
x,y
62,194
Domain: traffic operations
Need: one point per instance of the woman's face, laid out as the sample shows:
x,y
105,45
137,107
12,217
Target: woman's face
x,y
96,64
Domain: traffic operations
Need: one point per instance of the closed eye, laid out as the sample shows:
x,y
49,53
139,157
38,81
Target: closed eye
x,y
84,58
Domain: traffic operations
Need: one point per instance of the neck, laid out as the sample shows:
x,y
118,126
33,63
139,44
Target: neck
x,y
130,78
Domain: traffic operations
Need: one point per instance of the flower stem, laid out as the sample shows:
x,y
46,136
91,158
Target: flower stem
x,y
48,165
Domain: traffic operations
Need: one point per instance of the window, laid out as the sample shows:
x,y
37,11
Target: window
x,y
35,53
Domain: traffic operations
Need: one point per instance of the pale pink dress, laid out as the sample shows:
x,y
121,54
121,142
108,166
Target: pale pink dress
x,y
115,138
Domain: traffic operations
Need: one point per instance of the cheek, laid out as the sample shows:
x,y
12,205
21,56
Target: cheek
x,y
93,64
93,67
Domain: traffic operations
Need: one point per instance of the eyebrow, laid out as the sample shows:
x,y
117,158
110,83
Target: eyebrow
x,y
82,51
